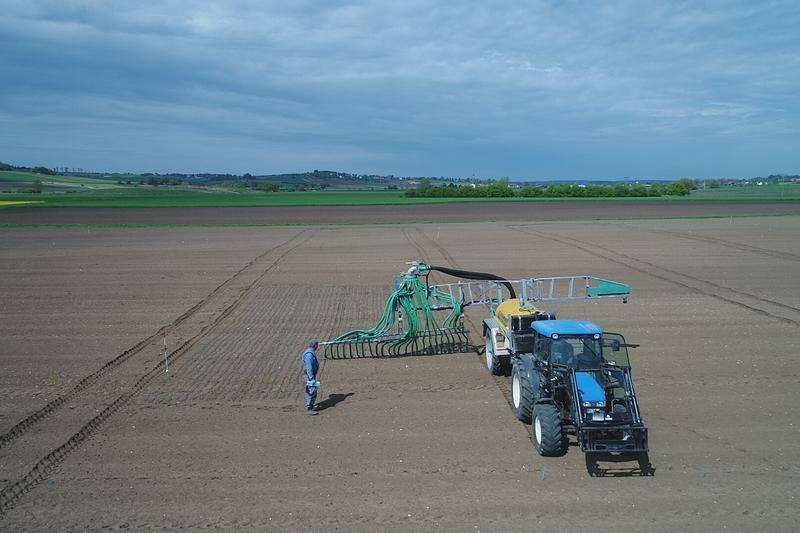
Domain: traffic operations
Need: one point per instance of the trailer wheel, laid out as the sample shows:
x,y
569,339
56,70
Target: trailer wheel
x,y
547,434
494,363
521,395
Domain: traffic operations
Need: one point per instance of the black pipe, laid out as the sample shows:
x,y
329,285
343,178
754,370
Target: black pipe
x,y
481,276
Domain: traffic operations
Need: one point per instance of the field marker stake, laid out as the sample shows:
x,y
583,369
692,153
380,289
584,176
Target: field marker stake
x,y
166,361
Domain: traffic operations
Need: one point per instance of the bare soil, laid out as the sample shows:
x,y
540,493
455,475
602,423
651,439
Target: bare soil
x,y
405,214
416,443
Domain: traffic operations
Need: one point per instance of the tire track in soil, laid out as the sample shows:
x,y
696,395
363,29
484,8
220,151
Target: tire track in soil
x,y
250,362
51,407
257,358
47,464
730,244
651,269
504,385
501,381
697,433
344,313
341,314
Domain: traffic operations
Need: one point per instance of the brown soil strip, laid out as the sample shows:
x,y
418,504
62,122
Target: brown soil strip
x,y
501,381
650,268
10,494
729,244
371,214
28,422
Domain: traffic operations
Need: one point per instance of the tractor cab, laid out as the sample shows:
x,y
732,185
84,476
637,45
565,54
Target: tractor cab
x,y
568,343
581,345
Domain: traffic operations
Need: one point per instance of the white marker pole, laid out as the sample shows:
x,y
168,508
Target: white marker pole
x,y
166,361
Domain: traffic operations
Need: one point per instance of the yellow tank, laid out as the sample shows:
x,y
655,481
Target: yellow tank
x,y
509,308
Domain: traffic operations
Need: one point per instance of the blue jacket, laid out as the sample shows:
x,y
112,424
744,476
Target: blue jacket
x,y
310,364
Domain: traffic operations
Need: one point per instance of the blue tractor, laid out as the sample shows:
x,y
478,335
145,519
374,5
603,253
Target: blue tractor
x,y
576,379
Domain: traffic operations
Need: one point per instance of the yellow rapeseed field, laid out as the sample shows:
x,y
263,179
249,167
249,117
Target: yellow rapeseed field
x,y
4,203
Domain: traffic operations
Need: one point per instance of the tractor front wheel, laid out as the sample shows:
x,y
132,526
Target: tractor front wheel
x,y
547,435
521,395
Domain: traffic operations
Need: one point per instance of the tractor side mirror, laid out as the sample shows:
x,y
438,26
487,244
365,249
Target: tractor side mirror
x,y
615,345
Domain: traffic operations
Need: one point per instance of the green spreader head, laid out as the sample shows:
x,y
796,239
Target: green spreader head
x,y
608,289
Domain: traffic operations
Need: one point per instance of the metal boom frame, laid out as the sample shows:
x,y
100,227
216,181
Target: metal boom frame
x,y
532,290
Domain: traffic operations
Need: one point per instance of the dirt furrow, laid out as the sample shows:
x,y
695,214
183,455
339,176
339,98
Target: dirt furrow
x,y
699,280
256,358
407,443
236,363
723,242
31,420
668,275
14,491
475,329
504,385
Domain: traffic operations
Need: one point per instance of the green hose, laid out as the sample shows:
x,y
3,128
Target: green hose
x,y
411,298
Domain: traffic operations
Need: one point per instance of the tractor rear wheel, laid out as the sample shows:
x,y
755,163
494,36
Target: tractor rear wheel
x,y
494,363
521,395
547,434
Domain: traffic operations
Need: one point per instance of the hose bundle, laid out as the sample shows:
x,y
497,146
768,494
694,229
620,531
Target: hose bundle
x,y
424,334
411,300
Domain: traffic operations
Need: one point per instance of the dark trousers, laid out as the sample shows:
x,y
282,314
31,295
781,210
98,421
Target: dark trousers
x,y
310,397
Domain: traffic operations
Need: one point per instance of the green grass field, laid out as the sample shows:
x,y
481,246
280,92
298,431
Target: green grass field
x,y
164,197
774,191
87,192
10,175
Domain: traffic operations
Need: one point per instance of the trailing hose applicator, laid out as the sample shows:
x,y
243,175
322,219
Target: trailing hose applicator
x,y
412,321
408,326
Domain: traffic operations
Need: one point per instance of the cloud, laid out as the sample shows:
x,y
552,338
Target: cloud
x,y
416,87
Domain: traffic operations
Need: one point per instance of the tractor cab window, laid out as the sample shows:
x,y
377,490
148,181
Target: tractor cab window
x,y
576,351
615,350
541,348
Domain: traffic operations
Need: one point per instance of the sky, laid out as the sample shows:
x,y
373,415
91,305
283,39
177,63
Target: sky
x,y
525,90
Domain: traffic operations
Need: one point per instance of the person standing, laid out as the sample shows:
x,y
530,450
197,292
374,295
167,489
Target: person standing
x,y
310,368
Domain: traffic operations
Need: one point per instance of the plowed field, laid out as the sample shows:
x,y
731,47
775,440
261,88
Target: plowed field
x,y
95,433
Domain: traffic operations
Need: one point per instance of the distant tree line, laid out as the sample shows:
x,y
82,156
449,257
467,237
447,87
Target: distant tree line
x,y
502,189
154,181
431,187
266,186
37,170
